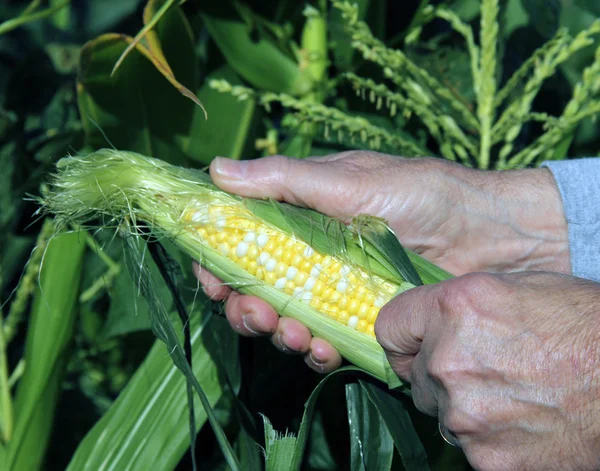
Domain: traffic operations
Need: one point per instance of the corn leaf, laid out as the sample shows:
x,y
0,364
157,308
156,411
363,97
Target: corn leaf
x,y
371,445
155,11
29,16
127,109
46,351
163,328
260,62
146,427
279,449
399,424
230,132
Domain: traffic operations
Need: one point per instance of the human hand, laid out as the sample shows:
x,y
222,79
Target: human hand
x,y
508,363
461,219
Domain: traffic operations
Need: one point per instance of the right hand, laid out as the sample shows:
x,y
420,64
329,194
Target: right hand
x,y
461,219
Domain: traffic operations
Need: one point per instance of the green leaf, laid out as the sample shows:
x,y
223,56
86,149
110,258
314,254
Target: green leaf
x,y
163,328
128,310
30,16
260,62
146,427
279,449
399,424
544,15
590,5
309,410
102,16
371,445
46,351
231,129
138,108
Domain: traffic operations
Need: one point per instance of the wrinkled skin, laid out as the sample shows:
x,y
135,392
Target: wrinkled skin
x,y
507,361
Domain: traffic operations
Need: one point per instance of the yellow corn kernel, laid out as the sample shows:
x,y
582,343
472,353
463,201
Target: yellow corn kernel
x,y
343,317
363,310
372,315
270,278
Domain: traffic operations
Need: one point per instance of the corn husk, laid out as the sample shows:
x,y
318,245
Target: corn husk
x,y
125,190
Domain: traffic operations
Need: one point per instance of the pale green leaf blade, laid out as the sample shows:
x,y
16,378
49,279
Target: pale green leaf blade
x,y
259,62
146,427
46,351
279,449
400,426
371,445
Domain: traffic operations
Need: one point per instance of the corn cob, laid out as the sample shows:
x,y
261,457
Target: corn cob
x,y
308,266
340,290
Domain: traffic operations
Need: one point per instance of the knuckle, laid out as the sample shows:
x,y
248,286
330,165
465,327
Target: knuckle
x,y
465,421
452,368
361,162
465,293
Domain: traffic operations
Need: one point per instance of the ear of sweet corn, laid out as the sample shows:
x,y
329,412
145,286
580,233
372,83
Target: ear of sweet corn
x,y
308,266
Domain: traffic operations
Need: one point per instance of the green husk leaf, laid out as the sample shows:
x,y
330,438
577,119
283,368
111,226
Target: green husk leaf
x,y
382,244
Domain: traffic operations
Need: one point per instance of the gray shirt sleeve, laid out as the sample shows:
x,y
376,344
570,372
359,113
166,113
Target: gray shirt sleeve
x,y
579,185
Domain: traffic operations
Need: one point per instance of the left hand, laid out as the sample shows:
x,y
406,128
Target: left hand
x,y
510,364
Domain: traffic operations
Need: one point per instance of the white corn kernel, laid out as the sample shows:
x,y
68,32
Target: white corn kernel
x,y
308,251
342,286
241,249
291,273
200,217
220,224
250,237
353,321
310,284
271,265
262,240
316,270
263,258
280,283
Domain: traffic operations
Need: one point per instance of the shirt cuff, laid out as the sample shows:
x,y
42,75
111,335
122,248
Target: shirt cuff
x,y
578,182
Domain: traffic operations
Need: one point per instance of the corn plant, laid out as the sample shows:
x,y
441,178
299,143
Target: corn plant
x,y
483,137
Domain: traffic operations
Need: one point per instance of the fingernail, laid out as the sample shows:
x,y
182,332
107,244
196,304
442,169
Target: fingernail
x,y
246,320
315,360
282,345
228,168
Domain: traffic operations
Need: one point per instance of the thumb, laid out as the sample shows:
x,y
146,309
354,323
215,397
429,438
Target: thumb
x,y
311,183
401,326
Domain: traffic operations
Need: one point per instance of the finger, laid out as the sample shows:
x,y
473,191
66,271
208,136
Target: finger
x,y
213,287
322,357
424,391
250,316
403,323
291,336
308,183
